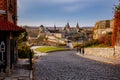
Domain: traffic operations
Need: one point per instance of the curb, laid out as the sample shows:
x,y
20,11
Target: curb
x,y
31,75
60,50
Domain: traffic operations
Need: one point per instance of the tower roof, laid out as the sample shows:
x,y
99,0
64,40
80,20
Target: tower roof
x,y
67,25
77,26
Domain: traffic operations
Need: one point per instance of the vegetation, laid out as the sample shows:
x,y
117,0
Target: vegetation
x,y
62,44
117,7
116,24
22,37
104,41
24,50
49,49
76,44
92,43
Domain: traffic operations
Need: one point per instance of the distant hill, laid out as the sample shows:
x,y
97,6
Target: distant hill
x,y
32,31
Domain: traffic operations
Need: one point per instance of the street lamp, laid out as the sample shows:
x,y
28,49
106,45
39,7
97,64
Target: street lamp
x,y
30,58
83,45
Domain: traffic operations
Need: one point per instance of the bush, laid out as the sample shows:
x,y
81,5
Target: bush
x,y
92,43
24,52
105,40
61,44
77,45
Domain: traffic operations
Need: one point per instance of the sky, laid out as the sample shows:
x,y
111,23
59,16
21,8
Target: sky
x,y
59,12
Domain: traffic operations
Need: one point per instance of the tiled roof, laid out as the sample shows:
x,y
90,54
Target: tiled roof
x,y
8,26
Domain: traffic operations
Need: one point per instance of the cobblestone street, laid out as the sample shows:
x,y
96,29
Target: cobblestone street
x,y
65,65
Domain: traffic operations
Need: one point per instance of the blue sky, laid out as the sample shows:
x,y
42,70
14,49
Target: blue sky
x,y
59,12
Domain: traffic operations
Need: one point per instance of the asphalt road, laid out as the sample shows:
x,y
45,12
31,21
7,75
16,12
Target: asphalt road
x,y
66,65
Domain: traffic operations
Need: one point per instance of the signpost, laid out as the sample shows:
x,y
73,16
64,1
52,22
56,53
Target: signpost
x,y
2,50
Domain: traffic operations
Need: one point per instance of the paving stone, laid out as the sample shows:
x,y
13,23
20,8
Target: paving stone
x,y
65,65
20,71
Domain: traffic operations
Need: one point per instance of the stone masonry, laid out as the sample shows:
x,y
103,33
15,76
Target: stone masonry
x,y
112,53
117,52
102,52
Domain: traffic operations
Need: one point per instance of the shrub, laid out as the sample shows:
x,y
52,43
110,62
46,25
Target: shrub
x,y
105,40
24,51
61,44
77,45
91,43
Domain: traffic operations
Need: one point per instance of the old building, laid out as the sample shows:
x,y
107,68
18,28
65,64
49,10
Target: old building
x,y
102,27
67,28
57,34
9,32
77,27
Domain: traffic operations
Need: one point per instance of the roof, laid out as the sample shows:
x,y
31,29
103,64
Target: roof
x,y
8,26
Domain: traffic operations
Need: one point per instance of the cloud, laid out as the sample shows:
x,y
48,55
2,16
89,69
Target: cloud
x,y
57,1
51,9
65,5
75,7
65,1
71,8
43,22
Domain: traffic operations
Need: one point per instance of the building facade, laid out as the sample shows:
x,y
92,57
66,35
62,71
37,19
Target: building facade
x,y
9,32
102,27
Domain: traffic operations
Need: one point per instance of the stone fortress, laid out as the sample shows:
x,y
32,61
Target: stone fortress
x,y
102,27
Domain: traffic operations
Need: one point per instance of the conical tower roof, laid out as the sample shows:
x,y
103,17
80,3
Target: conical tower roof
x,y
54,27
67,25
77,26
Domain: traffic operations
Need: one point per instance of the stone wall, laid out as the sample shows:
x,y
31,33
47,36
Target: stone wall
x,y
103,24
101,52
117,52
100,32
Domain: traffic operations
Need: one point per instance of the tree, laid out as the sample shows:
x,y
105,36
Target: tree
x,y
23,37
105,40
116,24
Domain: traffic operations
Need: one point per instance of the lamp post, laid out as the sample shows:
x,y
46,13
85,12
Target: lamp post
x,y
77,46
76,39
83,45
30,57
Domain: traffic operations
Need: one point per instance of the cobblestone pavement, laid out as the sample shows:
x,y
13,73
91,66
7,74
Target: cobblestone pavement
x,y
21,71
65,65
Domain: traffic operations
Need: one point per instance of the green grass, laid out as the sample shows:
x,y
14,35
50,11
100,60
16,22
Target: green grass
x,y
46,49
